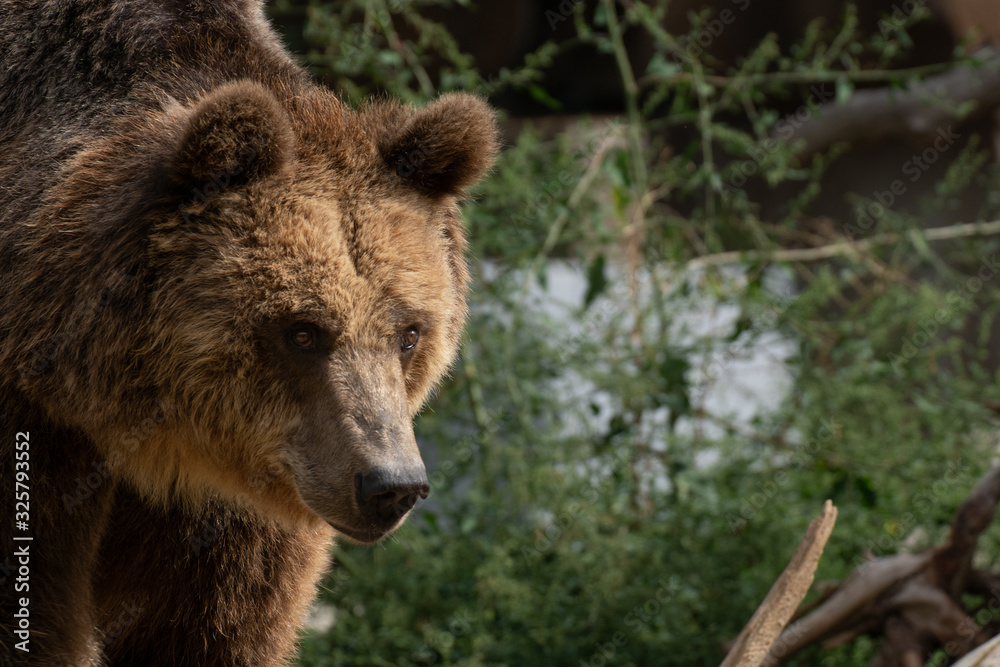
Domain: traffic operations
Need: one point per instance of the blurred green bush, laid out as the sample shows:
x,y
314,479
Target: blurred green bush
x,y
588,508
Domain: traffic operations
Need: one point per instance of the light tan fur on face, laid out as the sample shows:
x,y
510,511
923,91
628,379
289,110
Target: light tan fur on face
x,y
362,261
323,230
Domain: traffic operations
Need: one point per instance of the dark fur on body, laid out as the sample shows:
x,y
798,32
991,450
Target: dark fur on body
x,y
175,196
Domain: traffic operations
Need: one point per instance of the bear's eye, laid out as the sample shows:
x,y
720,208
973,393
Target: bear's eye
x,y
409,339
303,336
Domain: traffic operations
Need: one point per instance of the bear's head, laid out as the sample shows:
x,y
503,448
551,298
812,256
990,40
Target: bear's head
x,y
304,297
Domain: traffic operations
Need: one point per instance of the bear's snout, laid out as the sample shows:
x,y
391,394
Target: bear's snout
x,y
386,494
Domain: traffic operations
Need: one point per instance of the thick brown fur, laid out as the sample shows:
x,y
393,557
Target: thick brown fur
x,y
179,206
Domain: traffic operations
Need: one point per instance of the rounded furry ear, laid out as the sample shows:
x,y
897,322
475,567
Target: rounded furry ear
x,y
236,133
445,147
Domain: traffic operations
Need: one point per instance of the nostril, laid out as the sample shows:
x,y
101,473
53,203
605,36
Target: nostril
x,y
388,494
386,498
406,503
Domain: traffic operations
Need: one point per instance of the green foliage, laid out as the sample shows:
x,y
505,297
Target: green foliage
x,y
584,501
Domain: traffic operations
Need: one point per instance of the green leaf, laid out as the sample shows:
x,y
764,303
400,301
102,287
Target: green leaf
x,y
596,281
600,16
539,95
660,66
468,523
845,88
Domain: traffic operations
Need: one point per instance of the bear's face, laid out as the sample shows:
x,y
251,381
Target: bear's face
x,y
306,308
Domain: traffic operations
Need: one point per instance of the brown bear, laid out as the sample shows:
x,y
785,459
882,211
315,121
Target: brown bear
x,y
225,295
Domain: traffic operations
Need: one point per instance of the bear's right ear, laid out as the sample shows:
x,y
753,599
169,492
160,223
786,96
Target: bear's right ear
x,y
235,134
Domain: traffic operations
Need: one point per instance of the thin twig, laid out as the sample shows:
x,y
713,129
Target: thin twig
x,y
575,197
842,248
399,46
772,79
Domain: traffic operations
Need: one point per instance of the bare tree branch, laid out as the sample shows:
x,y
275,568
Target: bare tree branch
x,y
953,562
984,656
843,248
846,606
915,603
785,596
917,111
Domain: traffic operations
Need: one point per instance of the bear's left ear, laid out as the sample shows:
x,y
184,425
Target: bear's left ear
x,y
235,134
445,147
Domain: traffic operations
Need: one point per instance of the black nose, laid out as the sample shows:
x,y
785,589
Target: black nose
x,y
389,493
